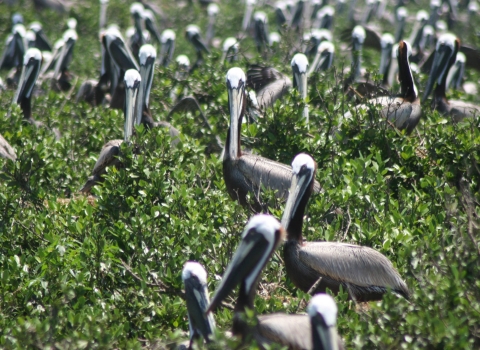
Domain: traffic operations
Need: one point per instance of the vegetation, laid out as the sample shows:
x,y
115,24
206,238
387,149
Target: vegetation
x,y
104,272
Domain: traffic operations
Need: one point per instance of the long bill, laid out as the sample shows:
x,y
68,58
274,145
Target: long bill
x,y
301,79
132,83
196,295
146,74
246,265
323,336
300,183
439,68
235,102
30,72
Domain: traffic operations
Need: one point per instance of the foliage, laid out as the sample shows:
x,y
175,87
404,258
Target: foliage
x,y
104,272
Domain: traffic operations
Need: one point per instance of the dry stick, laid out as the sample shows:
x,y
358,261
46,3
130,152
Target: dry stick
x,y
310,291
349,223
67,97
163,288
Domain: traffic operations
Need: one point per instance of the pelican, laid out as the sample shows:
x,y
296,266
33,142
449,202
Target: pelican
x,y
324,58
247,173
230,49
14,52
61,76
362,271
261,35
260,238
118,59
212,11
387,41
322,311
270,85
110,151
136,11
41,40
147,56
7,151
404,110
167,41
200,323
445,55
193,36
57,5
249,6
150,25
325,17
401,15
31,68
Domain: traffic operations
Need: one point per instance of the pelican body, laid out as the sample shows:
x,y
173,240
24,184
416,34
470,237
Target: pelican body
x,y
445,56
260,238
404,110
246,173
200,323
362,271
110,151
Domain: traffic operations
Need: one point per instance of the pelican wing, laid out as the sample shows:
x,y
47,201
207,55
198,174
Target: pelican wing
x,y
6,151
264,172
107,156
269,84
472,55
460,110
348,263
293,331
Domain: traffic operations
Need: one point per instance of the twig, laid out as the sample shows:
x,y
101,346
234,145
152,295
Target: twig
x,y
310,291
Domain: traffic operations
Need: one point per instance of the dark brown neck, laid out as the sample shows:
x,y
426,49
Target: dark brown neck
x,y
440,90
26,105
406,78
147,119
294,229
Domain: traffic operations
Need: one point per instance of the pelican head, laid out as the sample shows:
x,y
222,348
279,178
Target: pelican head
x,y
230,49
17,18
212,9
167,40
132,83
136,11
72,23
69,38
236,81
274,38
455,76
115,46
261,236
193,35
326,50
194,279
32,62
304,168
422,16
445,55
147,55
300,68
322,311
358,38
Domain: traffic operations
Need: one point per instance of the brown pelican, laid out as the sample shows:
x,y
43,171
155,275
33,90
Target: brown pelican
x,y
200,323
147,56
14,51
324,58
57,5
362,271
167,47
404,110
212,11
150,25
247,173
192,34
136,10
260,238
110,151
322,311
401,15
230,49
31,68
61,76
270,85
261,35
456,73
41,40
6,151
445,55
249,6
325,17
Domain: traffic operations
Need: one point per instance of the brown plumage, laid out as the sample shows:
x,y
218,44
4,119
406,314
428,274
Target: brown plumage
x,y
269,84
108,157
245,173
363,272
